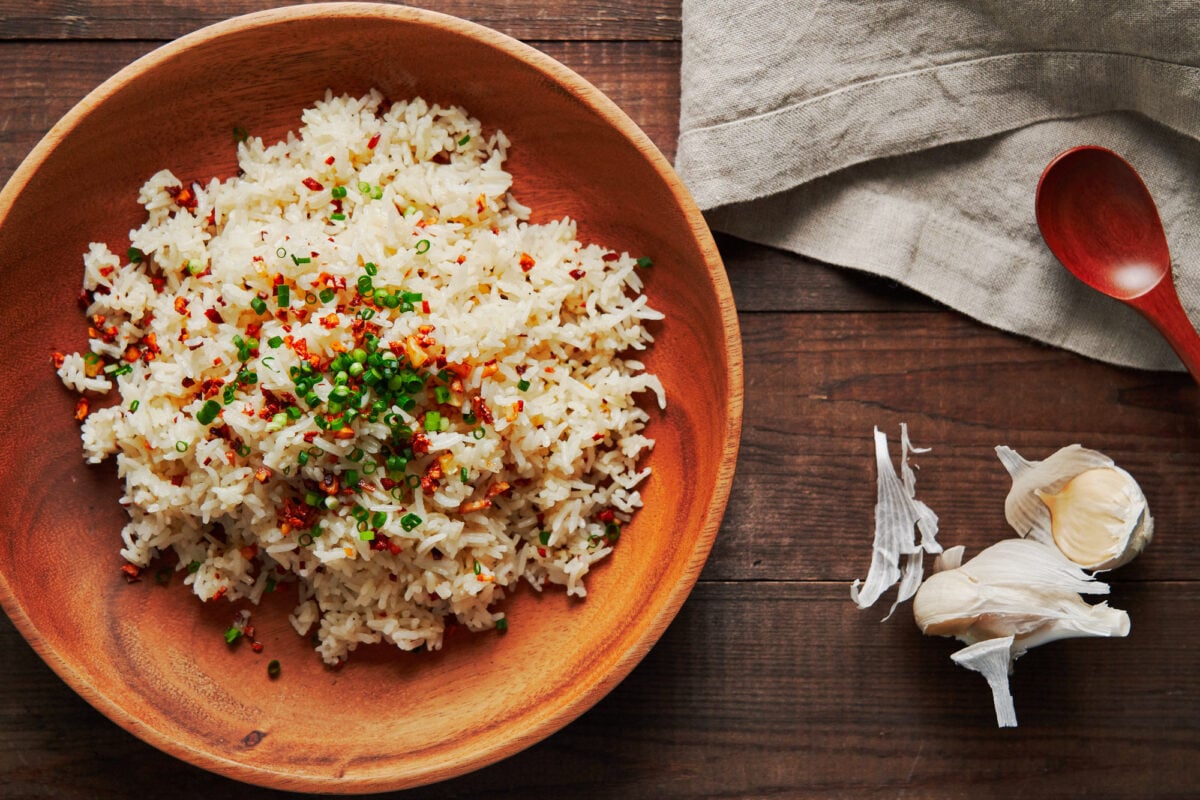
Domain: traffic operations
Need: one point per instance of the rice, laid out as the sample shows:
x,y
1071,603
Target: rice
x,y
356,366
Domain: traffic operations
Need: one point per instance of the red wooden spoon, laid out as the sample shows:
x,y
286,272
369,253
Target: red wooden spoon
x,y
1099,219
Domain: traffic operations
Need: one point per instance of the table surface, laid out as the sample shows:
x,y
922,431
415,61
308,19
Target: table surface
x,y
769,683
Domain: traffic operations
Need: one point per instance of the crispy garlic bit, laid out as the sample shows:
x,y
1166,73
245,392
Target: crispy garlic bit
x,y
1078,500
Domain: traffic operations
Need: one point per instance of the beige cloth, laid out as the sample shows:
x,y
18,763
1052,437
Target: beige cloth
x,y
906,139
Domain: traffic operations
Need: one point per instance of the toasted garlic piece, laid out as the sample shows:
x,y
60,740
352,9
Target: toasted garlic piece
x,y
1099,519
1079,501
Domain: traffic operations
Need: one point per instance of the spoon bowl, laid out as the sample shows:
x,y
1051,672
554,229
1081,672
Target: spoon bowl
x,y
1100,221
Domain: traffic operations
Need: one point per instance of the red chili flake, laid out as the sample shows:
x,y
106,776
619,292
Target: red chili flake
x,y
520,406
183,196
330,321
460,260
158,282
606,515
597,437
187,381
527,262
219,593
181,305
577,273
177,480
81,409
610,256
394,548
420,443
212,217
480,407
374,140
542,552
106,271
214,316
131,354
256,647
132,572
248,552
425,306
330,161
262,474
84,300
253,329
217,361
309,436
314,184
57,359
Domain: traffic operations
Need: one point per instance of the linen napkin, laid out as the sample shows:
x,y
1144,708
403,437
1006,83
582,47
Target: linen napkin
x,y
906,138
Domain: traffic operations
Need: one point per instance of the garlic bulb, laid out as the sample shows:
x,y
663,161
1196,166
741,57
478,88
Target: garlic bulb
x,y
1013,596
1017,587
1093,511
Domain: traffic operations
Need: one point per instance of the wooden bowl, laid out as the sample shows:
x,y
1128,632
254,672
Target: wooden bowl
x,y
152,658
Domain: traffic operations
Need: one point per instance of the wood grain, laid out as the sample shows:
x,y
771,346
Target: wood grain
x,y
769,683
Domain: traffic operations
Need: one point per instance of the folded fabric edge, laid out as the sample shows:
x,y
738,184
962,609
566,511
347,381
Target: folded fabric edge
x,y
1093,316
771,152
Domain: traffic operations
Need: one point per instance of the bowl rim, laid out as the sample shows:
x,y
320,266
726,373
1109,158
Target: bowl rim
x,y
597,102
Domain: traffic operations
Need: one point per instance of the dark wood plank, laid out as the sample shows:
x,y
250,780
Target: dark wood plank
x,y
816,384
523,19
757,690
44,80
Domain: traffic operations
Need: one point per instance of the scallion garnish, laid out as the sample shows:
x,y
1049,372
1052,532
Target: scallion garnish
x,y
422,246
181,446
208,412
338,192
283,295
259,305
522,384
409,521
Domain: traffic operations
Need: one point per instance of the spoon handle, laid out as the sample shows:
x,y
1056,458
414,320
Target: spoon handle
x,y
1162,307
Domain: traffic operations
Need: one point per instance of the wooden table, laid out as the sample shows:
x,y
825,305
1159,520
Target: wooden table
x,y
770,683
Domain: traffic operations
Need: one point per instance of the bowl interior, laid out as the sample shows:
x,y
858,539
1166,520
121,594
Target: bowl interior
x,y
152,657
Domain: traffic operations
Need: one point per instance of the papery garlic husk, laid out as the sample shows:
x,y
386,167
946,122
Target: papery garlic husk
x,y
992,659
899,518
1078,500
1020,588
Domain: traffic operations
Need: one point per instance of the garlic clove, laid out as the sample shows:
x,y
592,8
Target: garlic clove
x,y
993,659
1079,501
1020,588
1100,518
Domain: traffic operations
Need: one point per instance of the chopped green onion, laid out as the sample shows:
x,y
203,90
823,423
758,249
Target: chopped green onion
x,y
136,403
243,450
326,295
275,341
281,252
240,134
351,476
181,446
310,298
479,432
302,459
464,474
306,539
544,537
409,521
502,624
277,423
283,295
379,519
134,255
227,394
366,535
298,260
422,246
522,384
208,412
356,454
338,192
464,140
194,267
259,305
441,394
433,421
644,262
194,567
312,499
478,567
364,284
377,193
232,635
273,669
364,187
366,313
612,532
370,269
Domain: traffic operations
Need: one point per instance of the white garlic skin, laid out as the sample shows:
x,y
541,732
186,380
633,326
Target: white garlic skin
x,y
1100,518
